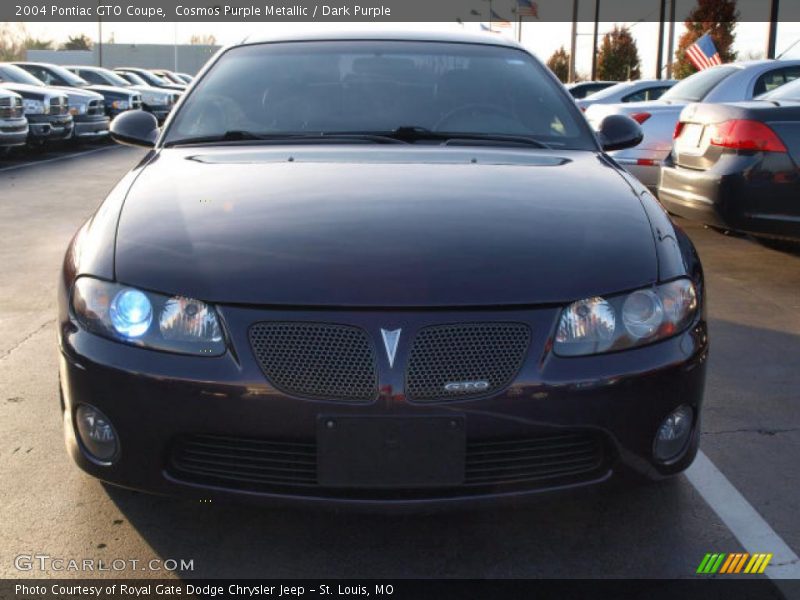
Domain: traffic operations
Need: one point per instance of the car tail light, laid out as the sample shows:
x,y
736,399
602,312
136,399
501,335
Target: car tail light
x,y
743,134
641,117
678,130
646,162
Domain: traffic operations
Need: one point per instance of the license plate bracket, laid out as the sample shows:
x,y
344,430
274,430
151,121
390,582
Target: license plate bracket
x,y
390,452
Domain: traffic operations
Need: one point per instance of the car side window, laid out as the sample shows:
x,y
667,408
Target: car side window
x,y
656,93
791,73
40,74
769,81
90,76
639,96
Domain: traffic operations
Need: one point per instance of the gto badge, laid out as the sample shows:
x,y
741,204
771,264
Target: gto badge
x,y
390,341
466,386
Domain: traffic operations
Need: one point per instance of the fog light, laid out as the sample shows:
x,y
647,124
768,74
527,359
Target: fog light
x,y
673,434
96,432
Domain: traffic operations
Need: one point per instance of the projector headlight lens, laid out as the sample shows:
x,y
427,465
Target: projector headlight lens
x,y
131,313
597,325
147,319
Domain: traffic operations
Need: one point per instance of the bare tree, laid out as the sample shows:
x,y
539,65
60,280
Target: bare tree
x,y
205,39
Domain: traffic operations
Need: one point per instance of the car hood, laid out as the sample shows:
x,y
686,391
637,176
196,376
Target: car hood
x,y
30,91
367,226
79,94
110,89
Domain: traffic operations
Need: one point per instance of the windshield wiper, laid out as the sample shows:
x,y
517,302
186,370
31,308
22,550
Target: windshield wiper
x,y
238,135
414,133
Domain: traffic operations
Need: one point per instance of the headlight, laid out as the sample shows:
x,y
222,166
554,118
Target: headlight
x,y
120,105
125,314
597,325
77,109
33,107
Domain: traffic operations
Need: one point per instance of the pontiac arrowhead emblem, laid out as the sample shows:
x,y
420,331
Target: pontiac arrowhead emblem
x,y
390,341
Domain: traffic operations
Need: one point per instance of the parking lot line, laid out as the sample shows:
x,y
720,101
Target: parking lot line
x,y
34,163
749,527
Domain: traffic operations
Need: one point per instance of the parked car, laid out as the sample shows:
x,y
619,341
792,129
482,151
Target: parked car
x,y
86,107
151,78
154,100
379,268
586,88
115,99
731,82
169,76
641,90
13,124
46,108
737,166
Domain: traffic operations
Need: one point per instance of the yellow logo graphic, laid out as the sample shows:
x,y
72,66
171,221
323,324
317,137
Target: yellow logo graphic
x,y
733,563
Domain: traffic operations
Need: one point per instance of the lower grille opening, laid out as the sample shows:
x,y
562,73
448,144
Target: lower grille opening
x,y
290,467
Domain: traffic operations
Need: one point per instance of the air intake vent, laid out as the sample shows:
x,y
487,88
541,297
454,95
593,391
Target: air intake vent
x,y
317,360
465,360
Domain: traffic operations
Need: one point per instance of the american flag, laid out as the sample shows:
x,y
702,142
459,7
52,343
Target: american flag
x,y
527,8
703,53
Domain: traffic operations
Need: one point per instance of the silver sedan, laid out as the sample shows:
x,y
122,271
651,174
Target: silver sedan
x,y
732,82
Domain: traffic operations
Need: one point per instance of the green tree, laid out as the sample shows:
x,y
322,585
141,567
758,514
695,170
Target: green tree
x,y
77,42
559,64
32,43
715,17
618,59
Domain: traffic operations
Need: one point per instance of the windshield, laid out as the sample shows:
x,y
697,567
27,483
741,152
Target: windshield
x,y
788,91
71,78
613,90
133,78
378,87
113,78
14,74
152,78
696,87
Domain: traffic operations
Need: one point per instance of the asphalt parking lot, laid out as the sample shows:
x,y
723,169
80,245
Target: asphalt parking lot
x,y
751,441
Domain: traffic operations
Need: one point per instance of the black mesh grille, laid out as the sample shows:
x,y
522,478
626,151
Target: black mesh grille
x,y
483,357
333,362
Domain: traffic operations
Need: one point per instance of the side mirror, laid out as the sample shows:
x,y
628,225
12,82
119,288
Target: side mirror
x,y
135,128
618,132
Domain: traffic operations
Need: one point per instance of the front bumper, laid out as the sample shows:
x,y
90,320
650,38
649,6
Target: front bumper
x,y
156,399
13,132
738,194
91,126
50,127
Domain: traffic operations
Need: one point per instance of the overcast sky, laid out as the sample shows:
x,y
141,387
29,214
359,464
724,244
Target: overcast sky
x,y
542,38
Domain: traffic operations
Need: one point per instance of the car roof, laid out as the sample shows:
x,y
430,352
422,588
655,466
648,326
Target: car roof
x,y
399,35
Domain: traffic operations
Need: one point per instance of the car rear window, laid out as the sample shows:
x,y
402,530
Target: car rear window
x,y
789,91
696,87
379,86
